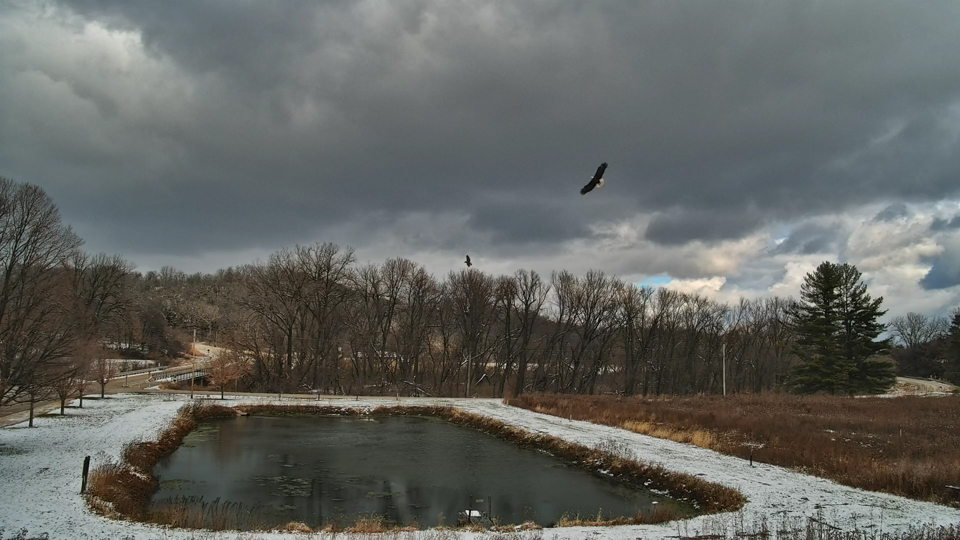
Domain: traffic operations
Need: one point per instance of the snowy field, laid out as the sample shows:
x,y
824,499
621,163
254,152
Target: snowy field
x,y
40,477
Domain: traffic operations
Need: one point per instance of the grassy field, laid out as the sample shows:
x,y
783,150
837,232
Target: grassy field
x,y
907,446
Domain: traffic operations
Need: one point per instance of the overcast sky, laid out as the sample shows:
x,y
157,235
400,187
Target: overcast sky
x,y
747,141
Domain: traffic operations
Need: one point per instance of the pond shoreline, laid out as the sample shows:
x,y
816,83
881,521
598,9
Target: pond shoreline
x,y
399,469
124,490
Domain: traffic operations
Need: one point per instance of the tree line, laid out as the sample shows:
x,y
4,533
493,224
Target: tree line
x,y
313,319
61,309
928,346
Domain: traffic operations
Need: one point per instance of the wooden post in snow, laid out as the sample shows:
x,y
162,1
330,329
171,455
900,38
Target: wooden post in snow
x,y
86,470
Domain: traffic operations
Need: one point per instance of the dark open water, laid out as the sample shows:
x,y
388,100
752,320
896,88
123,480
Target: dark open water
x,y
406,469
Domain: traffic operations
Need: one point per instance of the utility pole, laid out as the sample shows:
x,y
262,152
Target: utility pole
x,y
193,362
723,355
469,365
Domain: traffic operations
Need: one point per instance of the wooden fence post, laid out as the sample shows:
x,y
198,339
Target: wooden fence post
x,y
86,470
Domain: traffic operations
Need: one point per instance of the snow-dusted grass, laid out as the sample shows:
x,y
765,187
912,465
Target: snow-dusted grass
x,y
907,446
40,478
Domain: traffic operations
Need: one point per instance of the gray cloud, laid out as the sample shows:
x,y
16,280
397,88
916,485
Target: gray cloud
x,y
892,212
258,124
707,225
811,238
944,274
940,224
944,271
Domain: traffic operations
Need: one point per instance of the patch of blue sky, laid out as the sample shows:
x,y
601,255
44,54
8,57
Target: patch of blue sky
x,y
780,232
655,281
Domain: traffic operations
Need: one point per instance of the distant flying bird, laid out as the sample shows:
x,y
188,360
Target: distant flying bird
x,y
469,264
596,181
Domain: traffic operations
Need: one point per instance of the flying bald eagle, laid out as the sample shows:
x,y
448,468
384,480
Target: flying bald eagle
x,y
596,181
469,264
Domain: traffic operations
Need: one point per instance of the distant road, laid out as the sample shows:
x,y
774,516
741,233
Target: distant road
x,y
136,381
912,386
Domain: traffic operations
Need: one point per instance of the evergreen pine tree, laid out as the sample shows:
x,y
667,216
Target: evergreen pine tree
x,y
952,351
836,323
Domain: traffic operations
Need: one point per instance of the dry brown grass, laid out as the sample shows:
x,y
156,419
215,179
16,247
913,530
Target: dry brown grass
x,y
369,525
296,526
660,515
118,490
195,513
907,446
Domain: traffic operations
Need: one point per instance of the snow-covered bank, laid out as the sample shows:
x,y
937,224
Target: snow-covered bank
x,y
40,475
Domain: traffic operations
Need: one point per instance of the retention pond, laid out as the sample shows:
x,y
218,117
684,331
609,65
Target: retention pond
x,y
406,470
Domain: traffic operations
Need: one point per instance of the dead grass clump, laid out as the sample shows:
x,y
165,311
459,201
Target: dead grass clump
x,y
368,524
658,515
696,437
908,446
195,513
296,526
117,490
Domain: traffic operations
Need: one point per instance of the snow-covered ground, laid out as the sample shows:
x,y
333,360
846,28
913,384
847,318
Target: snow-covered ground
x,y
40,476
909,386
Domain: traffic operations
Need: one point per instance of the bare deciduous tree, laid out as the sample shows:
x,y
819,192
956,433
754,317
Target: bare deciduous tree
x,y
419,305
636,326
99,283
102,369
72,378
531,294
227,367
916,329
326,294
275,295
37,327
471,293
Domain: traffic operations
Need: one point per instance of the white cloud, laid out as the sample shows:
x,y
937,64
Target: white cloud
x,y
709,287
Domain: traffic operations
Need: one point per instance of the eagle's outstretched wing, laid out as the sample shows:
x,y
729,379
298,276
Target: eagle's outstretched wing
x,y
597,178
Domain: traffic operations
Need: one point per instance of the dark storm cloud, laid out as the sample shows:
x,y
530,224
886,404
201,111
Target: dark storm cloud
x,y
892,212
940,224
522,222
944,273
291,118
707,225
809,239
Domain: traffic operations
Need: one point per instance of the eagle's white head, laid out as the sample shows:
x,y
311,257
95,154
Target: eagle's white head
x,y
600,183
